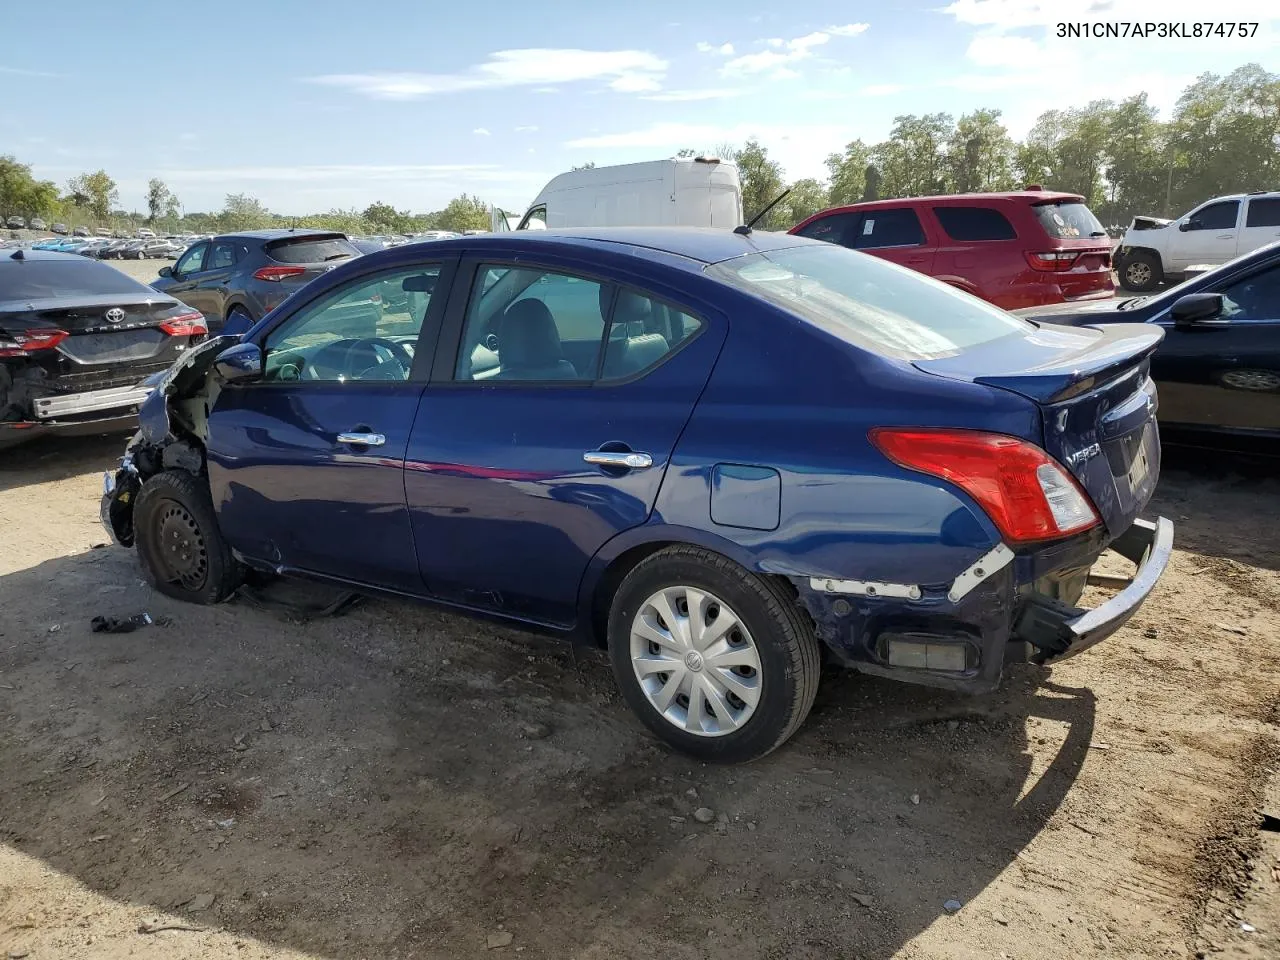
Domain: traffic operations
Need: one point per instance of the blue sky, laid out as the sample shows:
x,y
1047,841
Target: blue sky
x,y
338,104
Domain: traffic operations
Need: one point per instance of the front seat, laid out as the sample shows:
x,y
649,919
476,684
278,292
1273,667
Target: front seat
x,y
529,345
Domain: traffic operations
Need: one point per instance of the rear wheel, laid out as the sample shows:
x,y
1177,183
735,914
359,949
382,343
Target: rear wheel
x,y
177,534
1141,272
718,662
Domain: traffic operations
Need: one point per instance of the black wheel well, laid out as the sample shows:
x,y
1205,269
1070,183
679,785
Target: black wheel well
x,y
618,569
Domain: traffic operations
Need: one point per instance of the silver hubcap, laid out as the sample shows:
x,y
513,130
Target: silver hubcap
x,y
695,661
1251,379
1138,273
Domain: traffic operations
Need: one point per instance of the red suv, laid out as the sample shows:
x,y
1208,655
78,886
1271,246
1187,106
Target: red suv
x,y
1021,249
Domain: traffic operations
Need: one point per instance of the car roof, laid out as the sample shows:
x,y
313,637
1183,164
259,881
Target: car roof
x,y
33,254
700,244
278,233
1031,196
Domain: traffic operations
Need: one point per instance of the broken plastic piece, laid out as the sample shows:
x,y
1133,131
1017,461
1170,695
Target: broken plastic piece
x,y
124,624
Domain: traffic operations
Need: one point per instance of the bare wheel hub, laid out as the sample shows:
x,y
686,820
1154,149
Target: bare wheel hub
x,y
181,546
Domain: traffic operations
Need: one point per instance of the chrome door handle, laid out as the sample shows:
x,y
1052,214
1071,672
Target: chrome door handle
x,y
362,439
618,458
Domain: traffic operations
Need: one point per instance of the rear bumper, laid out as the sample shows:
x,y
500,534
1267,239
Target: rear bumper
x,y
54,406
1055,631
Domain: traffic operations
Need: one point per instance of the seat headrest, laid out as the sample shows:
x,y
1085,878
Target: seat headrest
x,y
528,336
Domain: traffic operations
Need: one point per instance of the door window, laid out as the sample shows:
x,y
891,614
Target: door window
x,y
975,223
1216,216
528,324
838,228
192,261
535,219
1263,212
642,333
1256,297
889,228
223,255
366,329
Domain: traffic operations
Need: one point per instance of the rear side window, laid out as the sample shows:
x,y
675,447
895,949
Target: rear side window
x,y
837,228
310,249
38,279
888,228
1069,220
975,223
864,300
1263,213
643,331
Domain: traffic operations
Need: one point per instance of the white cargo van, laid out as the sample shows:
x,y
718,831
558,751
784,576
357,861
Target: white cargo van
x,y
696,192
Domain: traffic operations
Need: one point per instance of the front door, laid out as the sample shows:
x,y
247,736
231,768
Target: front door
x,y
306,467
184,276
1226,378
1207,235
546,431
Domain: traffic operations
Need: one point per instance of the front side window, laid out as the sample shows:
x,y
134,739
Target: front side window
x,y
1216,216
530,324
192,261
877,305
888,228
969,224
365,330
838,228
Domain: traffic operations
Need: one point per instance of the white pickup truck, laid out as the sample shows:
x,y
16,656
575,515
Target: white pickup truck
x,y
1153,251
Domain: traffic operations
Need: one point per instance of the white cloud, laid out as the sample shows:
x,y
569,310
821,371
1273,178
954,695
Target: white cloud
x,y
723,49
531,128
624,70
688,96
22,72
778,54
480,132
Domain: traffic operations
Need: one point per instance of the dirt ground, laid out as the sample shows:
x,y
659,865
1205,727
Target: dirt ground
x,y
396,782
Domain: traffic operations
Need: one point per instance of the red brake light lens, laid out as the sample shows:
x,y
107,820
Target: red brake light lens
x,y
1054,261
276,274
185,325
1026,493
24,344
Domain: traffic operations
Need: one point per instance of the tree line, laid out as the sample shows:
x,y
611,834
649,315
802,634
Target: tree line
x,y
1223,137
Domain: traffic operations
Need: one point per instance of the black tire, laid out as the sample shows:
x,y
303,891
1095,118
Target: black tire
x,y
789,654
1140,272
182,550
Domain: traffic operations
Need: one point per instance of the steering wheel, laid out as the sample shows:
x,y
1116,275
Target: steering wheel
x,y
398,353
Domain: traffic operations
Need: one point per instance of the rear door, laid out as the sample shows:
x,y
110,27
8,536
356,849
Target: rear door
x,y
895,234
978,245
306,466
1207,235
1261,223
524,458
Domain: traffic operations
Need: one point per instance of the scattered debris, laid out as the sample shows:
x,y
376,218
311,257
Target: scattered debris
x,y
156,925
103,624
227,824
202,901
751,826
502,938
175,791
1248,928
18,954
692,793
1150,633
196,699
1000,919
1238,631
915,799
534,731
55,628
1099,745
265,726
704,815
100,837
863,900
952,906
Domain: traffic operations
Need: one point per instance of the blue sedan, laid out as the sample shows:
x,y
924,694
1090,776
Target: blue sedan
x,y
724,456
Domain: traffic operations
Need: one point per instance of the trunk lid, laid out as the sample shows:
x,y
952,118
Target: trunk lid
x,y
1097,404
98,334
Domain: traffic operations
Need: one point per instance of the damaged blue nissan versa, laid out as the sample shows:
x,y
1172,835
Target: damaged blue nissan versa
x,y
725,456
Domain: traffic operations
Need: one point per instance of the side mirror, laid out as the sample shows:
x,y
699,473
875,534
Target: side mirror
x,y
1199,310
239,364
1186,225
166,271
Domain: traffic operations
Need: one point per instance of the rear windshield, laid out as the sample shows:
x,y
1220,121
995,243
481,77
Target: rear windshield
x,y
311,249
40,279
1069,220
878,305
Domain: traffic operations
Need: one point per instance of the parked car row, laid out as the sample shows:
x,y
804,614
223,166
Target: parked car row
x,y
106,248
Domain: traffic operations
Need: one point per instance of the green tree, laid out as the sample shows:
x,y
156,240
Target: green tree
x,y
158,199
806,198
22,194
1066,147
849,173
1136,159
589,165
96,192
912,162
980,154
243,212
872,178
464,213
761,183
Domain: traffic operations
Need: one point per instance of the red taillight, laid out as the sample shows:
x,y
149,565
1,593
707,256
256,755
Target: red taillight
x,y
276,274
185,325
1054,261
23,344
1024,491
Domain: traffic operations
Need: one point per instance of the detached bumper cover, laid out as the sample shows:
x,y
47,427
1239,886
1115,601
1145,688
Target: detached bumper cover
x,y
1057,631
